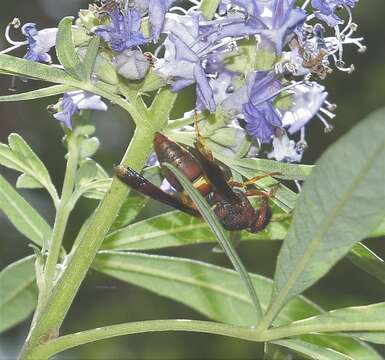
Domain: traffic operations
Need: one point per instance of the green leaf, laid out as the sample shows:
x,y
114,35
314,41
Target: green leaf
x,y
89,147
38,94
66,52
129,211
312,351
86,173
152,82
368,261
288,171
18,292
90,57
20,157
359,318
380,231
33,69
340,204
177,229
25,181
222,237
215,292
97,189
22,215
373,337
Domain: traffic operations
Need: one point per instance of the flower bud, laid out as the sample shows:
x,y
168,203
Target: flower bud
x,y
131,64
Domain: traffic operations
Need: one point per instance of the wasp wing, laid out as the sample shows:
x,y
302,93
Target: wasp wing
x,y
139,183
215,174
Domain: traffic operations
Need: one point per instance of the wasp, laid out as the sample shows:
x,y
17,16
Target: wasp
x,y
230,204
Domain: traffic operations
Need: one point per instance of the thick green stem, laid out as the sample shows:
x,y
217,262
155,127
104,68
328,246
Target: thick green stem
x,y
239,332
68,284
69,341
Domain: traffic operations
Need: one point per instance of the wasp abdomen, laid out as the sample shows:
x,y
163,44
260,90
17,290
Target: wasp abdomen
x,y
170,152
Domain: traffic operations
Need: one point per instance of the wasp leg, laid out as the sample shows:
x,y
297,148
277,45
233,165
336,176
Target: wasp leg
x,y
267,195
257,178
200,142
254,192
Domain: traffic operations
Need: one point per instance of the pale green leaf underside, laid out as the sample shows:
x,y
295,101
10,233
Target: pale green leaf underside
x,y
312,351
288,171
129,211
17,66
216,292
22,215
20,157
66,53
358,318
367,260
37,94
341,202
18,292
177,229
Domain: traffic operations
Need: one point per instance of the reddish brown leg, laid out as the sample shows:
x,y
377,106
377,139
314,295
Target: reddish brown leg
x,y
255,192
257,178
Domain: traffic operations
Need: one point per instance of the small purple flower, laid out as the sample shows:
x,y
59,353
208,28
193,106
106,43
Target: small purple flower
x,y
326,10
124,30
157,10
254,101
74,101
281,18
285,149
191,42
39,42
308,101
261,120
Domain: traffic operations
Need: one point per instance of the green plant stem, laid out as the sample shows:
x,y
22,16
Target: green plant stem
x,y
67,286
244,333
62,215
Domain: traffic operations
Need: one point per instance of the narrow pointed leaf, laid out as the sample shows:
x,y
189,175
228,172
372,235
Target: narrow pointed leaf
x,y
25,181
90,57
18,292
177,229
380,230
19,156
37,94
368,261
222,237
312,351
340,204
22,215
65,50
32,69
128,212
287,171
373,337
218,293
359,318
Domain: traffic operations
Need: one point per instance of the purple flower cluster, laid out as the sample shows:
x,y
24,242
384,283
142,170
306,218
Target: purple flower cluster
x,y
256,62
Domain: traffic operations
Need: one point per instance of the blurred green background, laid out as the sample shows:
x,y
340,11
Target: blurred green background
x,y
104,301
